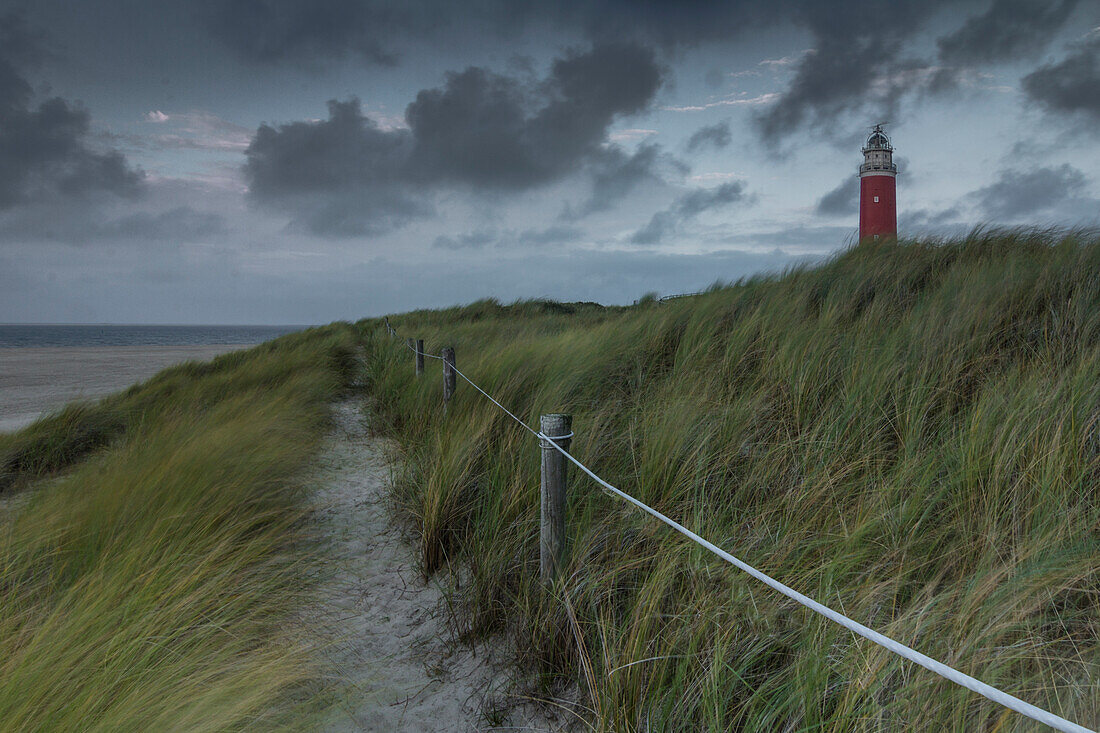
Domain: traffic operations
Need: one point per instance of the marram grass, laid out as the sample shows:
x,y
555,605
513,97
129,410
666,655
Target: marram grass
x,y
150,585
909,433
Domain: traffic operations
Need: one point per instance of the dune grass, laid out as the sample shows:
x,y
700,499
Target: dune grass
x,y
909,432
150,567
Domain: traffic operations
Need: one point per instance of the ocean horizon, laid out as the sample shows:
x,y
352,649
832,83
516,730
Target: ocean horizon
x,y
35,335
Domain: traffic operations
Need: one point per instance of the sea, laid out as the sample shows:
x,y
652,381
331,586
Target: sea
x,y
16,336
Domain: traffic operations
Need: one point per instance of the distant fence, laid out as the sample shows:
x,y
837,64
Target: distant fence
x,y
666,298
552,537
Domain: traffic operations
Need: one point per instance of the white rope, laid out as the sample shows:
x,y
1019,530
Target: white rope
x,y
976,685
490,398
424,353
1014,703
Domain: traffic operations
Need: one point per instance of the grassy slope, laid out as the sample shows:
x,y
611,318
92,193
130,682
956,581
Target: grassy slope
x,y
149,586
908,433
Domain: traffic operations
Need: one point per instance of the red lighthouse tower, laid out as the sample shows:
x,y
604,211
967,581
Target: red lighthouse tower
x,y
878,208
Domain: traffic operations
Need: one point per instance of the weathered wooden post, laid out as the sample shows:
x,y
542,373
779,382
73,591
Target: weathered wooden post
x,y
552,539
419,357
448,375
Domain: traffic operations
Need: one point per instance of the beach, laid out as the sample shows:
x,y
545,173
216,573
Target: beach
x,y
38,380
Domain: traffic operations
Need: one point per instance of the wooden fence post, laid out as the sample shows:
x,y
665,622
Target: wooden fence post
x,y
448,375
552,540
419,357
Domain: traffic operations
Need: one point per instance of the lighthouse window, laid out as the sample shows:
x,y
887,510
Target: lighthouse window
x,y
876,199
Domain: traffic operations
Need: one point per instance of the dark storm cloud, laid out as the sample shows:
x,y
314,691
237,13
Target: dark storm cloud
x,y
843,76
687,207
854,64
1007,30
1071,85
1019,193
481,131
841,201
614,175
279,30
343,176
45,150
858,66
853,46
22,46
717,136
348,150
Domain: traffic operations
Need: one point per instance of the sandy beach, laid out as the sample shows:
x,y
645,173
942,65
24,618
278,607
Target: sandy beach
x,y
34,381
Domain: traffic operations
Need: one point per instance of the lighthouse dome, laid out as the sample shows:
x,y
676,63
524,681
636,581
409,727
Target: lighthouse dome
x,y
878,140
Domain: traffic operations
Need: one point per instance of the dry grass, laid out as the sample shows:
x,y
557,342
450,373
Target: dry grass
x,y
908,433
150,585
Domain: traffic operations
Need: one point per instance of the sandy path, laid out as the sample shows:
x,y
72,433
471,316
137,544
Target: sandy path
x,y
384,630
37,380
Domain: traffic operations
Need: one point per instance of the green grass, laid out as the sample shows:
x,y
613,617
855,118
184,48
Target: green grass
x,y
909,433
154,550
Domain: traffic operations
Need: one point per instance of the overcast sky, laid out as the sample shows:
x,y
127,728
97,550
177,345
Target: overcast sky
x,y
299,161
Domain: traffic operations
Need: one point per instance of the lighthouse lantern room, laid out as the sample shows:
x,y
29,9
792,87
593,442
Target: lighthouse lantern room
x,y
878,211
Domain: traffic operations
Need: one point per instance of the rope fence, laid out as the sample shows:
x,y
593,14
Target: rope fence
x,y
992,693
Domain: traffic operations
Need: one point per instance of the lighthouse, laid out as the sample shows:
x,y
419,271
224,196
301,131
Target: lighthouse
x,y
878,209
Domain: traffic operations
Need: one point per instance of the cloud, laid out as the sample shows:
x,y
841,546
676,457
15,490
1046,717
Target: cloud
x,y
854,67
687,207
276,31
556,234
193,130
841,201
630,135
80,223
1008,30
939,222
859,65
181,224
614,175
809,240
478,129
472,240
343,176
46,151
482,132
715,136
477,240
293,31
1071,85
1018,193
734,100
851,67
